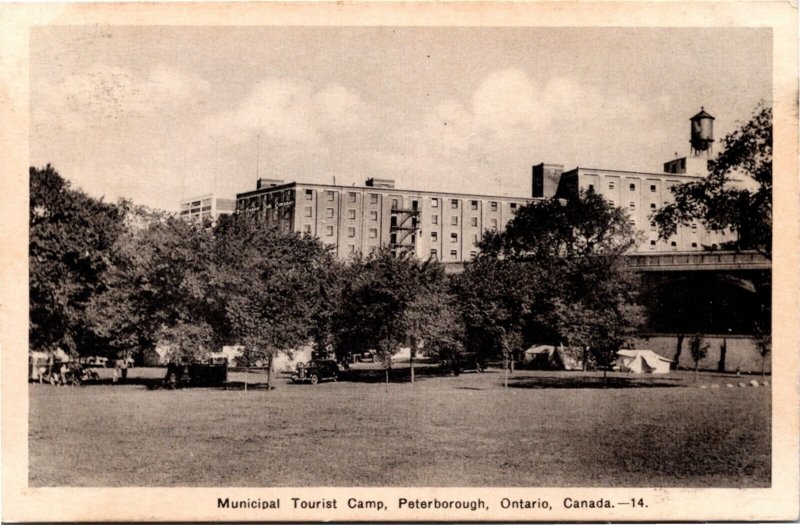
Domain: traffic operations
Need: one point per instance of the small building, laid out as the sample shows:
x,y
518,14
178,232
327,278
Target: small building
x,y
206,207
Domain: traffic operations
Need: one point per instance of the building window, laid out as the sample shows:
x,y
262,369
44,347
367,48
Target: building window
x,y
434,254
652,244
394,204
453,237
652,205
611,185
309,195
454,254
454,203
330,195
352,196
474,205
694,245
373,233
493,224
373,215
694,227
591,187
493,206
474,221
329,231
434,236
351,214
454,220
434,203
652,227
307,211
434,219
373,198
652,188
473,254
475,238
307,228
329,212
673,244
633,187
351,232
513,205
632,205
351,248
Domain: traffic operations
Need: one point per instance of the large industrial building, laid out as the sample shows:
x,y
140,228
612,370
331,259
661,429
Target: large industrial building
x,y
447,226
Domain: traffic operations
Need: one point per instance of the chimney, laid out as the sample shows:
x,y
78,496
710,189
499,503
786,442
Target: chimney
x,y
545,180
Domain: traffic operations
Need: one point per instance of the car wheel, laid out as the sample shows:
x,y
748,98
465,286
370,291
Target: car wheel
x,y
314,379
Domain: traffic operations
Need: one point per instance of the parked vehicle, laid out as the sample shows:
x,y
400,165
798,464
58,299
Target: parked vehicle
x,y
463,363
317,370
195,375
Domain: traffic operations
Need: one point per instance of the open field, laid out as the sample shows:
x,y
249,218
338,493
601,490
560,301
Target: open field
x,y
550,429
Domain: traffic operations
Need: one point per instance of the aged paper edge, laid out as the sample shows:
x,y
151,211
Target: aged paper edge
x,y
23,503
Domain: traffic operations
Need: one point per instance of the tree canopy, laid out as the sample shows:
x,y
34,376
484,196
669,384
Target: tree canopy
x,y
722,205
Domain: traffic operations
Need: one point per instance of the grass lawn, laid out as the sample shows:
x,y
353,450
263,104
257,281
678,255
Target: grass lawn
x,y
549,429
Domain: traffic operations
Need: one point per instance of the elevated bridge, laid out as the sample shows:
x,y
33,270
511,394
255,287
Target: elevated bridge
x,y
698,261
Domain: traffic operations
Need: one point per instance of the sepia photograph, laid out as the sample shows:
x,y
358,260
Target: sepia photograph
x,y
427,259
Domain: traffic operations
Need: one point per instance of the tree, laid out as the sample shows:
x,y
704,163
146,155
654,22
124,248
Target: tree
x,y
565,264
71,235
698,350
763,341
721,205
395,299
158,289
268,283
496,297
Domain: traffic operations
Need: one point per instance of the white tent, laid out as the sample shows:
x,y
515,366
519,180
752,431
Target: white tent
x,y
642,362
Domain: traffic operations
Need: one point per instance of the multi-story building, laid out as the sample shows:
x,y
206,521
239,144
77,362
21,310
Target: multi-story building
x,y
206,207
444,226
447,226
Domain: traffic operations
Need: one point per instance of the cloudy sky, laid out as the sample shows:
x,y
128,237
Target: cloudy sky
x,y
157,114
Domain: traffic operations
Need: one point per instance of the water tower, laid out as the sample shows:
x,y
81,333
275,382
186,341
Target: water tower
x,y
702,133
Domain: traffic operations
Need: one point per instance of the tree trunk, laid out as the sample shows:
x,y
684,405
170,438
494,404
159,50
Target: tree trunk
x,y
763,366
413,351
677,359
246,376
605,377
505,368
269,371
387,378
723,350
696,365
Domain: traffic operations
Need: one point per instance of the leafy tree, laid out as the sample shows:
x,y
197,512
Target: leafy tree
x,y
496,297
698,350
565,262
71,235
722,205
269,284
158,289
763,341
391,300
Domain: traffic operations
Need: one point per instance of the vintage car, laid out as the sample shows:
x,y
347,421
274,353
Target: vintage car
x,y
195,375
315,371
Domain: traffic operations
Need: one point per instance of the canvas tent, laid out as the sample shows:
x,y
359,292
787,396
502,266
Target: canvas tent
x,y
546,357
642,362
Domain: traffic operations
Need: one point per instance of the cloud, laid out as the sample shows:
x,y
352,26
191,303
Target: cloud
x,y
288,110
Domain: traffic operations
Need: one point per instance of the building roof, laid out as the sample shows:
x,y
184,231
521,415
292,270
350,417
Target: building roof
x,y
376,189
703,114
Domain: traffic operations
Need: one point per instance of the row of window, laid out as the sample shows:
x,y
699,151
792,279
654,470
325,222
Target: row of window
x,y
453,254
352,196
673,245
632,186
